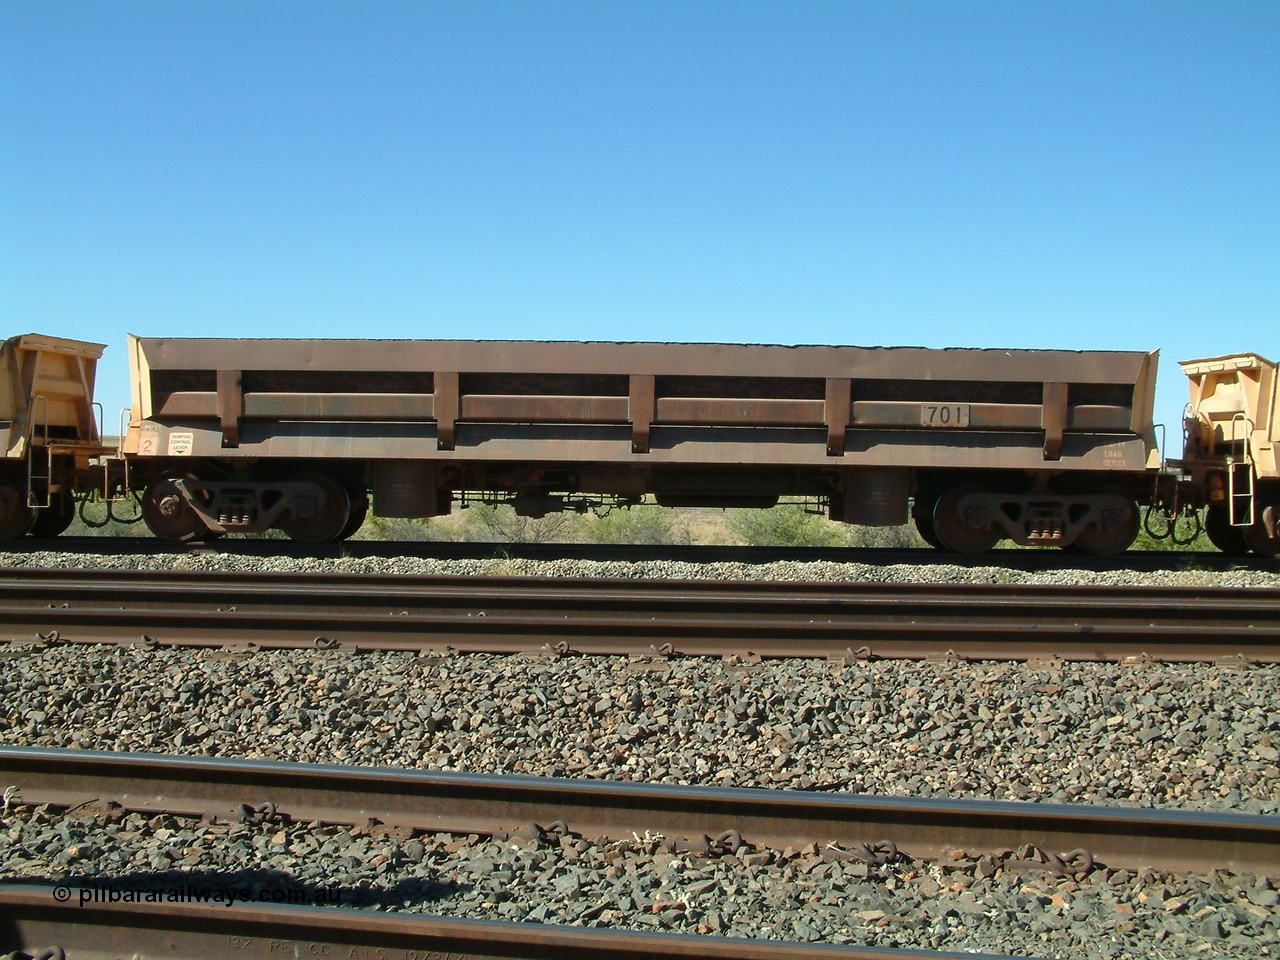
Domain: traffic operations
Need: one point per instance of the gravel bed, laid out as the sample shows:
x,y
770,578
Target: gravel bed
x,y
962,904
666,569
1177,735
1171,735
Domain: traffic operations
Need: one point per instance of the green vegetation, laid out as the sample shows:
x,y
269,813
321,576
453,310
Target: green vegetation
x,y
393,528
786,525
93,520
483,522
1182,530
647,524
790,525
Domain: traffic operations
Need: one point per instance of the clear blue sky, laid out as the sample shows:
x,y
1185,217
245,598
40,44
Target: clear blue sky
x,y
1077,175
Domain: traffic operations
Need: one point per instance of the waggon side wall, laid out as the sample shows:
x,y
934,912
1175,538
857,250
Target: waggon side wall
x,y
643,403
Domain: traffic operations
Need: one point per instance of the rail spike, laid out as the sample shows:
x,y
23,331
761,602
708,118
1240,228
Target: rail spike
x,y
876,854
263,813
1076,864
551,834
729,842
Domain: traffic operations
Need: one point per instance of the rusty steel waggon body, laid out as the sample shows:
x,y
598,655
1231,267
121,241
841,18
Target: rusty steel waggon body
x,y
1037,446
549,426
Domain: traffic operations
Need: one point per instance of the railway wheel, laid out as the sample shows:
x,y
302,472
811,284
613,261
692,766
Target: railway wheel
x,y
167,513
55,518
1115,532
971,530
320,520
359,510
15,516
1230,540
922,514
1258,538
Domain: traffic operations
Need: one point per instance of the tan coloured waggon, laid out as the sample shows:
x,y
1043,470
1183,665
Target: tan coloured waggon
x,y
1232,449
48,430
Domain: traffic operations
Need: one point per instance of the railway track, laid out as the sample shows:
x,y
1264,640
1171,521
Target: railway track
x,y
639,617
1008,558
707,820
257,932
885,834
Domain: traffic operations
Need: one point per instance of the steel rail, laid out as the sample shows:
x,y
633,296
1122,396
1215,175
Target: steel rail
x,y
619,616
434,801
37,921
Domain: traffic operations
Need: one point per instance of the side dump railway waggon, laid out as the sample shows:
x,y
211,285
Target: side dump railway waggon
x,y
1041,447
